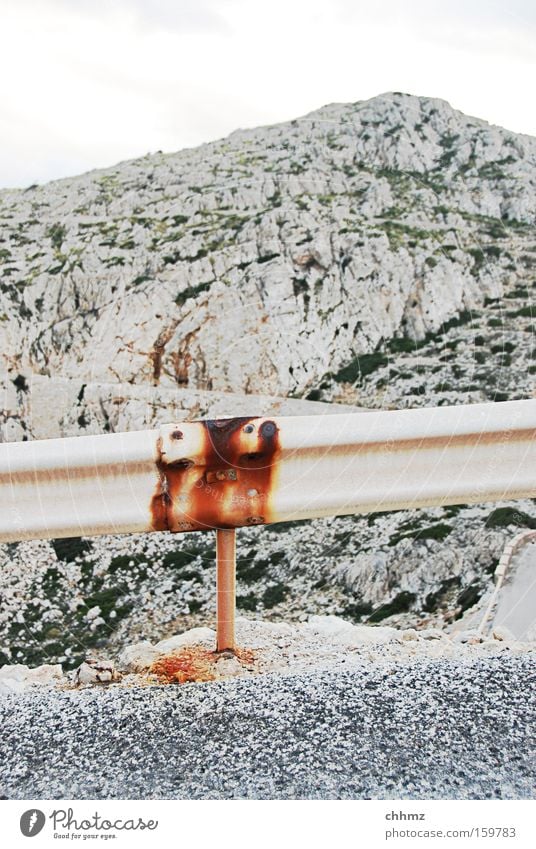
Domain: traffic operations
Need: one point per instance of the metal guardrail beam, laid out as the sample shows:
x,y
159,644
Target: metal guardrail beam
x,y
228,473
246,471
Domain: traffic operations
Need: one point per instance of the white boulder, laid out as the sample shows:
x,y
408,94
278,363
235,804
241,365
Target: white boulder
x,y
96,672
339,631
138,656
17,677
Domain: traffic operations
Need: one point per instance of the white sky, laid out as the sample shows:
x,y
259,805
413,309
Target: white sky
x,y
87,83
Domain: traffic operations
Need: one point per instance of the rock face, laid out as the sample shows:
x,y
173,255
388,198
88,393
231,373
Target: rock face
x,y
267,262
378,254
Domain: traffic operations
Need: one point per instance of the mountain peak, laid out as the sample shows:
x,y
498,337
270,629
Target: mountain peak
x,y
309,243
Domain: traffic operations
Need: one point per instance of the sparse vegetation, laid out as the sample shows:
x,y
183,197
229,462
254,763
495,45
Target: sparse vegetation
x,y
503,517
437,532
275,594
362,366
56,233
400,604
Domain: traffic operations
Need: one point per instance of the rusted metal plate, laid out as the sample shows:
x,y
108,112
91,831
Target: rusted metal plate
x,y
218,473
233,472
236,472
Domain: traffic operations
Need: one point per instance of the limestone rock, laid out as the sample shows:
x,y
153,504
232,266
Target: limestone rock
x,y
410,634
228,667
472,637
18,677
340,631
137,657
96,672
433,634
195,636
407,214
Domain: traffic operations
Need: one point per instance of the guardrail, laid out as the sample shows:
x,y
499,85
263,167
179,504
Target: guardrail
x,y
510,550
227,473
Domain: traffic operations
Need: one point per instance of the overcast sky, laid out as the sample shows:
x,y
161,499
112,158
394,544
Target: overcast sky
x,y
87,83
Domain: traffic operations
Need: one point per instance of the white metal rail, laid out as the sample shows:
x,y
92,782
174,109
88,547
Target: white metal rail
x,y
233,472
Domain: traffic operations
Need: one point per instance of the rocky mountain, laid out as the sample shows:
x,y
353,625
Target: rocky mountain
x,y
378,254
327,257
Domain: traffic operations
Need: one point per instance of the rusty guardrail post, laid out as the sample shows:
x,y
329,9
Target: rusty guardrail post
x,y
225,589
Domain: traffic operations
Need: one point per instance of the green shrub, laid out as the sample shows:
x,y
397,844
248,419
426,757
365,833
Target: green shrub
x,y
502,517
437,532
524,312
191,292
434,599
274,595
56,233
107,600
468,598
247,602
400,604
361,367
174,559
357,610
69,548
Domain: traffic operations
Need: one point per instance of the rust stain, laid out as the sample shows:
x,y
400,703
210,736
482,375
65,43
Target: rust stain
x,y
228,485
160,501
230,481
461,440
157,352
246,657
195,663
181,364
182,359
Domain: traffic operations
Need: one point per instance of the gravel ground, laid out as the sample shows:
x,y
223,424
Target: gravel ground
x,y
431,728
